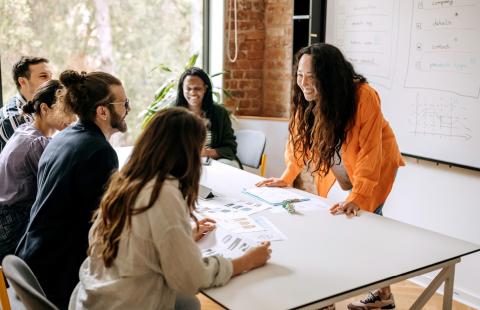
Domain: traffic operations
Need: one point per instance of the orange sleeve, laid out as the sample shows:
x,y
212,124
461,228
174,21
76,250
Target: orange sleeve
x,y
366,170
294,166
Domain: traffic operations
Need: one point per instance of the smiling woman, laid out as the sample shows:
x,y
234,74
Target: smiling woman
x,y
195,93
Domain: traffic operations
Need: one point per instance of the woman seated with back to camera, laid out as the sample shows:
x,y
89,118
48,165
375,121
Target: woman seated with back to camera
x,y
195,93
142,252
19,162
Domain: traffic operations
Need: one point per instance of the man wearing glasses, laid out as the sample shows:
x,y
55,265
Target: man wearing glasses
x,y
72,174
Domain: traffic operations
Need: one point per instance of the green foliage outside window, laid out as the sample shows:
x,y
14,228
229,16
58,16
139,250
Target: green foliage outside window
x,y
126,38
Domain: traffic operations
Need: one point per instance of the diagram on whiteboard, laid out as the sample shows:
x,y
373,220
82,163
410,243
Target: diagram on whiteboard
x,y
444,53
423,59
440,116
365,31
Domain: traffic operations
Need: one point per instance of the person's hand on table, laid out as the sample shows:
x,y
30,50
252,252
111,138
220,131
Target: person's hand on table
x,y
205,226
348,208
255,257
208,152
272,182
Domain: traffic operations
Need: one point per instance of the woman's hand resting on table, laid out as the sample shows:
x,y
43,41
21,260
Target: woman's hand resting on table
x,y
348,208
272,182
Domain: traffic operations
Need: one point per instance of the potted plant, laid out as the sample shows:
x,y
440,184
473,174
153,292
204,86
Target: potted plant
x,y
165,95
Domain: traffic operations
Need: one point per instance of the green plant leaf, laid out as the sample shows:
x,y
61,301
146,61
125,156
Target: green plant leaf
x,y
161,67
192,61
227,93
218,73
216,96
162,91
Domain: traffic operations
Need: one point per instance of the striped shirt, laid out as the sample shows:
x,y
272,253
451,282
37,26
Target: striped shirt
x,y
12,116
208,138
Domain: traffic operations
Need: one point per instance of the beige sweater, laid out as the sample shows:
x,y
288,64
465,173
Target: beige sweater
x,y
157,257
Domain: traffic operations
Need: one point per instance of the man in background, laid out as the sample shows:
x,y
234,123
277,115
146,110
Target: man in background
x,y
28,74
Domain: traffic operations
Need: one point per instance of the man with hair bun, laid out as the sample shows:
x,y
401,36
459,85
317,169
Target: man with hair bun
x,y
28,74
73,172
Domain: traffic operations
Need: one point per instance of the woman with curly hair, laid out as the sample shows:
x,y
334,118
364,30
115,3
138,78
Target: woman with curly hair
x,y
337,129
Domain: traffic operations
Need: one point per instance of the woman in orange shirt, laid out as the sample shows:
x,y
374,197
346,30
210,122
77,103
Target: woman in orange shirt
x,y
338,130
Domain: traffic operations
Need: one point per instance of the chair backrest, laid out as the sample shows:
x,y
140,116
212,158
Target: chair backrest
x,y
26,286
251,145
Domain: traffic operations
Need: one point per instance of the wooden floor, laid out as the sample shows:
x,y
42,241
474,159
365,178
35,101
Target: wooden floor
x,y
405,294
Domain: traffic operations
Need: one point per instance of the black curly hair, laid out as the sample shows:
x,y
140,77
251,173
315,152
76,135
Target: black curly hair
x,y
319,127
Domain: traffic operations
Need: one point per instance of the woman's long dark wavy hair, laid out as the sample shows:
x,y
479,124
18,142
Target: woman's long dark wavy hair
x,y
319,128
168,148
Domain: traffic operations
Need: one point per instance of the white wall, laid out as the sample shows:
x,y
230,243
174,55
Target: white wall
x,y
435,197
444,200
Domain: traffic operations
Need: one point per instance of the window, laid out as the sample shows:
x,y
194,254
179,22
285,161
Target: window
x,y
126,38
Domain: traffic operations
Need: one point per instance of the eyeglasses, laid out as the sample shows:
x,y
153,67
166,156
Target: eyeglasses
x,y
126,103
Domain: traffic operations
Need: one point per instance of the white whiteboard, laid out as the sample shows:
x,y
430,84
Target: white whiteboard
x,y
423,57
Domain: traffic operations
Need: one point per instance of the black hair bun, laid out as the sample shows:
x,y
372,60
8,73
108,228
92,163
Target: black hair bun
x,y
71,77
29,107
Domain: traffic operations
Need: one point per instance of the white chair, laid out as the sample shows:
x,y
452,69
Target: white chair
x,y
250,148
25,285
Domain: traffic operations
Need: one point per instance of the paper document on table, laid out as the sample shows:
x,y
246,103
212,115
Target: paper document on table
x,y
225,243
225,206
274,195
312,205
238,223
270,232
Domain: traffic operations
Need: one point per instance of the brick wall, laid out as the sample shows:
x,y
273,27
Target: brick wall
x,y
277,66
260,78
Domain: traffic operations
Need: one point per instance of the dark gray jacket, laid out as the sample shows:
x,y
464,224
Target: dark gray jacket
x,y
72,175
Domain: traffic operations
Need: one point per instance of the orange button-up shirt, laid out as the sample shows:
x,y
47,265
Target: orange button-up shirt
x,y
370,155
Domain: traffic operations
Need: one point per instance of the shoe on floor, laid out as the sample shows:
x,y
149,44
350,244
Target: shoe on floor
x,y
373,301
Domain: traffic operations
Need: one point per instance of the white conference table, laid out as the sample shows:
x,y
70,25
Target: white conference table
x,y
330,258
